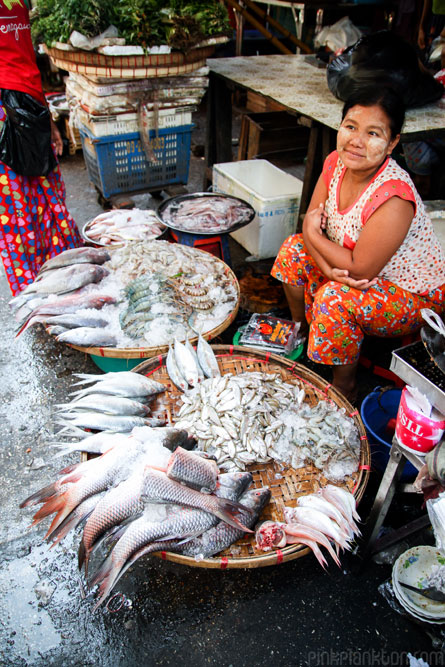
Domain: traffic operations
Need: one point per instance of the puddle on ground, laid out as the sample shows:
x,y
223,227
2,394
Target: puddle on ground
x,y
28,626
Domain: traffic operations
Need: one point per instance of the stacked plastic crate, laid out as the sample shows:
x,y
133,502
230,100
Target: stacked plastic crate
x,y
136,134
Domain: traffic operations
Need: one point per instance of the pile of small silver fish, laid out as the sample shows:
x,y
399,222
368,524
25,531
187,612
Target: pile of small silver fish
x,y
112,402
205,213
122,225
147,493
255,417
147,292
322,518
187,366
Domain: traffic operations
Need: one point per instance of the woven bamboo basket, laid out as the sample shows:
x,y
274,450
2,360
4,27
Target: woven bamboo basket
x,y
286,485
92,63
148,352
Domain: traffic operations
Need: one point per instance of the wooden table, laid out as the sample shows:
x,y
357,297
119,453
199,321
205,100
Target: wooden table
x,y
300,86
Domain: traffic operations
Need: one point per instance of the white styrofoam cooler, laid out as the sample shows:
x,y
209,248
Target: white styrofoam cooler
x,y
273,193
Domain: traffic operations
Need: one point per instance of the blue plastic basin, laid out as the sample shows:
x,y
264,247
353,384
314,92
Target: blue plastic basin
x,y
378,408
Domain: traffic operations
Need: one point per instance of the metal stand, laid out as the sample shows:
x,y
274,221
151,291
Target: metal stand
x,y
397,459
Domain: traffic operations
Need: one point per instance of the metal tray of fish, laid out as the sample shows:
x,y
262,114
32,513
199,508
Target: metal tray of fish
x,y
174,203
286,483
118,235
413,365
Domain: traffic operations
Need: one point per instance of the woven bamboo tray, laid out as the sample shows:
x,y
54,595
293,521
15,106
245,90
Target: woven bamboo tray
x,y
285,485
147,352
133,67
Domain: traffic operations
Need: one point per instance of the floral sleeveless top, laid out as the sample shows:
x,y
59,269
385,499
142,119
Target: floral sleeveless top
x,y
419,264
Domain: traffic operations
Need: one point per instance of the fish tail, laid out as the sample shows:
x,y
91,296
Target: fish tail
x,y
106,576
42,495
71,522
53,504
225,510
82,556
85,378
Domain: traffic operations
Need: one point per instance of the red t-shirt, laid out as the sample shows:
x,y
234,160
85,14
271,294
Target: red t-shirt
x,y
18,67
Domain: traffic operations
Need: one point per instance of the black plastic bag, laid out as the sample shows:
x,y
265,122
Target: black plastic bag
x,y
383,59
25,140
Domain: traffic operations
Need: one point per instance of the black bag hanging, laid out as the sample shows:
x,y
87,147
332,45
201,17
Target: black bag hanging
x,y
383,59
25,140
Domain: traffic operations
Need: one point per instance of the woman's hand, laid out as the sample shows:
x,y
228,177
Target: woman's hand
x,y
342,276
316,220
56,138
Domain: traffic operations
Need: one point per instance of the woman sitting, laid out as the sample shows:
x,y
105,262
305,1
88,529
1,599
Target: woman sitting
x,y
368,260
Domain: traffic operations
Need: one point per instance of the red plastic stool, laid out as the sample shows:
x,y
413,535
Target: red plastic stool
x,y
383,372
216,245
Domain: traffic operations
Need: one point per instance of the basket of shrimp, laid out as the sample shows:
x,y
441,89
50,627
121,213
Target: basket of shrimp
x,y
135,299
216,457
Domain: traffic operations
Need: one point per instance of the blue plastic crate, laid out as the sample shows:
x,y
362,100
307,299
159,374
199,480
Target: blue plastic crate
x,y
117,163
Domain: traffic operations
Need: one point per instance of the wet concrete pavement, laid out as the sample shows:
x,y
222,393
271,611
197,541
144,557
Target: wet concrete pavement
x,y
293,614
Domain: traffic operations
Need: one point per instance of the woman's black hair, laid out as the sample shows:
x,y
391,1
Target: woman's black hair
x,y
388,100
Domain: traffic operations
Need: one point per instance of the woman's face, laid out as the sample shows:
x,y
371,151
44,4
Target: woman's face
x,y
364,138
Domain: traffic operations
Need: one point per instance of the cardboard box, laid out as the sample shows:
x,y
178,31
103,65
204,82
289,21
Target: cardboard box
x,y
273,193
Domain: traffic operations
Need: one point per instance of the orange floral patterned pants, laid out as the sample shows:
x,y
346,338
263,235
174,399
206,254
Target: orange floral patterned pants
x,y
339,316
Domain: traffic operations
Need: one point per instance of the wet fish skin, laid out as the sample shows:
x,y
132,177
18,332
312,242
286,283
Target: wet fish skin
x,y
142,532
106,403
97,443
83,255
222,535
78,515
121,502
186,363
136,383
68,304
87,337
102,422
194,471
143,536
158,487
68,279
207,359
79,319
98,475
173,370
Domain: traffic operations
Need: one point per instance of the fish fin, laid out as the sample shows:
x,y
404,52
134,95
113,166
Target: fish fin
x,y
70,522
226,510
106,577
42,495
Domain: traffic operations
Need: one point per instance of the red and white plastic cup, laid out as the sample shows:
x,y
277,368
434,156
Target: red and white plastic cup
x,y
416,431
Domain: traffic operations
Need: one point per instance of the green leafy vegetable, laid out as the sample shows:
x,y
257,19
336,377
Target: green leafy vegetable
x,y
179,23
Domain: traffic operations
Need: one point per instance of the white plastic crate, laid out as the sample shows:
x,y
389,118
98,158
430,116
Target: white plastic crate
x,y
102,126
274,194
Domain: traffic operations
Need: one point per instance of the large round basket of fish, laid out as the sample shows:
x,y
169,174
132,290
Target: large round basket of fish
x,y
217,457
130,302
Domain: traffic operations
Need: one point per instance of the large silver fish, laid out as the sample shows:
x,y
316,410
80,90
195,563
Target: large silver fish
x,y
106,403
207,359
125,501
67,304
142,532
102,422
124,383
88,337
84,255
68,279
195,471
222,535
74,320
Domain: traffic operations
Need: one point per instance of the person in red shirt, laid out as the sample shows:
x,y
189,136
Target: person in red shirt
x,y
34,221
